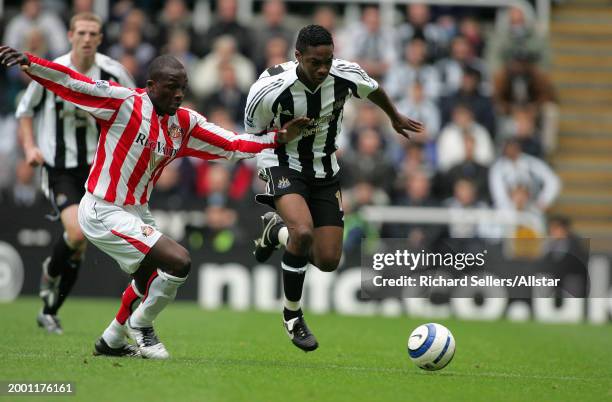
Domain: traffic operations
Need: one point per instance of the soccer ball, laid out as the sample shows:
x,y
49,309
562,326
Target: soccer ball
x,y
431,346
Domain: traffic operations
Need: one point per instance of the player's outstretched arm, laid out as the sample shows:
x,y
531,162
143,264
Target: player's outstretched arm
x,y
402,124
100,98
209,141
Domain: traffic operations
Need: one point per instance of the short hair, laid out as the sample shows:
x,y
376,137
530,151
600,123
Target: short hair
x,y
313,35
160,64
85,16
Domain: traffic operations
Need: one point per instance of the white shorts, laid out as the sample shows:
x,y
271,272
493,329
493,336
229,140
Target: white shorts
x,y
126,233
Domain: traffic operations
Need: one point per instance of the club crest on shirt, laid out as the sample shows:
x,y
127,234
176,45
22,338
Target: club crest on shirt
x,y
146,230
175,131
283,182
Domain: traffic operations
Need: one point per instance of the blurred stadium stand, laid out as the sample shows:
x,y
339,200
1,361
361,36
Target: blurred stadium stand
x,y
544,74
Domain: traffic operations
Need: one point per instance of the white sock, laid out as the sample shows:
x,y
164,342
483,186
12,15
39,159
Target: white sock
x,y
161,292
290,305
283,236
114,334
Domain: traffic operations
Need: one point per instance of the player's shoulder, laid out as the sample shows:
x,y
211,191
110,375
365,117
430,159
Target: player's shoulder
x,y
64,59
341,65
273,81
109,65
282,70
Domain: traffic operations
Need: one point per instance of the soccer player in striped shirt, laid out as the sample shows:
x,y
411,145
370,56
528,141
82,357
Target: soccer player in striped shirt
x,y
142,131
302,181
65,146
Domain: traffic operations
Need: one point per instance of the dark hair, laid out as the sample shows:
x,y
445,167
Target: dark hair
x,y
560,220
161,63
313,35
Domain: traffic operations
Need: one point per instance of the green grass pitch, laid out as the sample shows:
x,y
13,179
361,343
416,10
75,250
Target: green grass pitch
x,y
246,356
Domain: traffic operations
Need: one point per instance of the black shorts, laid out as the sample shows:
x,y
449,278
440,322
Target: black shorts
x,y
64,187
323,196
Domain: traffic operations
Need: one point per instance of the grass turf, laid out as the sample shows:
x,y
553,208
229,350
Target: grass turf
x,y
245,356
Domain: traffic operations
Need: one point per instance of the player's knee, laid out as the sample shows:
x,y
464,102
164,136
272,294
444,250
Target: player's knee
x,y
182,263
301,236
328,263
75,237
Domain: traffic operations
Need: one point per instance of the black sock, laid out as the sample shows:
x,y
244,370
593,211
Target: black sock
x,y
293,282
290,314
60,257
67,281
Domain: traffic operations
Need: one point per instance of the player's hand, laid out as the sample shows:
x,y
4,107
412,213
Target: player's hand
x,y
34,156
292,129
10,57
404,126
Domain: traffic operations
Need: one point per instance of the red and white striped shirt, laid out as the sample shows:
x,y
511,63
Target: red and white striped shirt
x,y
135,142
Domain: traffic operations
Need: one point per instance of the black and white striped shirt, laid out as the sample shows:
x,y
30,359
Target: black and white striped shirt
x,y
66,135
278,96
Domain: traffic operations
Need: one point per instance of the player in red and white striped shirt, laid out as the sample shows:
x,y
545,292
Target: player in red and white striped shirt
x,y
142,131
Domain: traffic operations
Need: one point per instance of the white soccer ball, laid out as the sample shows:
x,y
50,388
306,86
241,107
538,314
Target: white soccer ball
x,y
431,346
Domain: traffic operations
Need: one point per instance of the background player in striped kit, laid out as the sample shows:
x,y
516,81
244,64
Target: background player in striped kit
x,y
302,182
65,146
143,130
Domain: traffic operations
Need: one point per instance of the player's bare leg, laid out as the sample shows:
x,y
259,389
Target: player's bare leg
x,y
172,263
60,270
327,247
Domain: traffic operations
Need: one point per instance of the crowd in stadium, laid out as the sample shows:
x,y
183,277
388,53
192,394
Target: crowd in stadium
x,y
488,105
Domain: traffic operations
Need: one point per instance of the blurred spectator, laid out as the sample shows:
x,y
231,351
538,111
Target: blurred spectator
x,y
371,44
522,83
563,243
413,68
33,16
78,6
470,93
226,24
174,16
516,168
276,52
362,116
179,44
418,107
358,231
522,127
131,42
36,43
273,26
416,194
465,196
327,18
206,77
451,68
368,162
132,65
476,173
516,33
228,96
450,146
419,26
524,238
471,30
413,158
